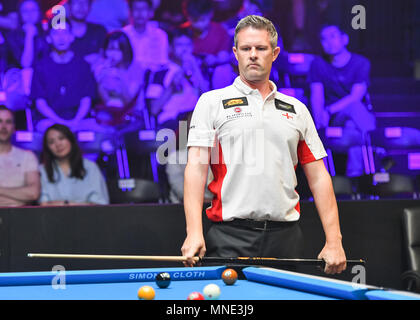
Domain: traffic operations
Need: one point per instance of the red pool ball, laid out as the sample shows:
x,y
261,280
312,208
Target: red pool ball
x,y
195,296
229,276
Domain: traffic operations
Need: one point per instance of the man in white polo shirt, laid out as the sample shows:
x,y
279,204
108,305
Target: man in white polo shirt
x,y
253,138
19,175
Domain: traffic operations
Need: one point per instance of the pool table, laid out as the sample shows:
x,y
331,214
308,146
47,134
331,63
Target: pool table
x,y
257,283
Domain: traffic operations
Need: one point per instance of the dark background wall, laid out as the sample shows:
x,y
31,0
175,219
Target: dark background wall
x,y
371,230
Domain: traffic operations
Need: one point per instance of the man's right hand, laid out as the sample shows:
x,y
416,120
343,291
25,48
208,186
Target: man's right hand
x,y
193,245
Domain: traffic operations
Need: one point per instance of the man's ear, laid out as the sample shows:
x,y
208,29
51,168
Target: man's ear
x,y
235,53
276,53
345,39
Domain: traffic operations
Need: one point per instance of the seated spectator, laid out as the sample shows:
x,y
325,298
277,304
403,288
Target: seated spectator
x,y
339,83
149,42
19,175
67,178
89,37
119,79
211,40
112,14
25,45
63,86
181,96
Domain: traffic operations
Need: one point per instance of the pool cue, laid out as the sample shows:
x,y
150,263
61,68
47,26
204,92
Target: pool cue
x,y
110,257
232,260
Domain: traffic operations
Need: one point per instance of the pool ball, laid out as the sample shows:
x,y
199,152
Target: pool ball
x,y
163,280
195,296
146,293
211,292
229,276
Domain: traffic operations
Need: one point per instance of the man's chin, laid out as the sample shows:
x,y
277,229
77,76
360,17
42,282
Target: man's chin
x,y
254,77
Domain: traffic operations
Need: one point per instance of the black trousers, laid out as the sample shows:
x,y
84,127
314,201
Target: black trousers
x,y
246,238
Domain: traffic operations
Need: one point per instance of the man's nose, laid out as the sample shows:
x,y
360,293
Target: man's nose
x,y
253,53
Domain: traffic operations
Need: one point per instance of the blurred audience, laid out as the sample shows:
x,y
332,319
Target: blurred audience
x,y
89,37
120,81
211,41
112,14
339,82
149,42
182,94
19,182
67,178
116,67
26,45
63,86
9,19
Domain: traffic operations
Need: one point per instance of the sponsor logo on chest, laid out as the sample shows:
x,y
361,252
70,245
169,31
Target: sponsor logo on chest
x,y
234,108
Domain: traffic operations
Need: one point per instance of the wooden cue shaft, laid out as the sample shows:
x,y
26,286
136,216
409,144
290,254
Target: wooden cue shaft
x,y
112,257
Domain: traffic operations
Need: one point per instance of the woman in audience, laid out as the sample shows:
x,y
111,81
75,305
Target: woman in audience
x,y
120,80
67,178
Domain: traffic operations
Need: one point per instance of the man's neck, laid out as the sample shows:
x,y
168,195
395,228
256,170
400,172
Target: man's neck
x,y
139,28
264,86
62,57
78,28
341,59
5,147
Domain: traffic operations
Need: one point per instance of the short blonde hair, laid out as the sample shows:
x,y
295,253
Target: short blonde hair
x,y
260,23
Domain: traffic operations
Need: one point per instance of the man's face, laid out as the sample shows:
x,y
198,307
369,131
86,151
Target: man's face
x,y
61,39
29,12
182,46
79,9
201,23
254,54
333,41
141,13
7,126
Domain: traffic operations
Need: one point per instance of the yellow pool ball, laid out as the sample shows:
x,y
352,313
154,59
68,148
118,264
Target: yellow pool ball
x,y
146,293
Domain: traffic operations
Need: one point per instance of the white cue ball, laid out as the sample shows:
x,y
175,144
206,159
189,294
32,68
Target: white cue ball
x,y
211,292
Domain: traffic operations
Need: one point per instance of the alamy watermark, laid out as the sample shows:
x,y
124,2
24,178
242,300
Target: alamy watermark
x,y
359,20
240,147
59,19
58,282
360,276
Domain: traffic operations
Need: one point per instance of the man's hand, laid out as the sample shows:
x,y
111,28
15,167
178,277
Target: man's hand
x,y
192,246
334,257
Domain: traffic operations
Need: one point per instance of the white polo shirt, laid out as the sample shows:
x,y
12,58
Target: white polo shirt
x,y
256,146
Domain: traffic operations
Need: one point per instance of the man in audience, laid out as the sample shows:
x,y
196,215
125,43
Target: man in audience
x,y
211,41
19,175
149,42
89,37
339,83
63,86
